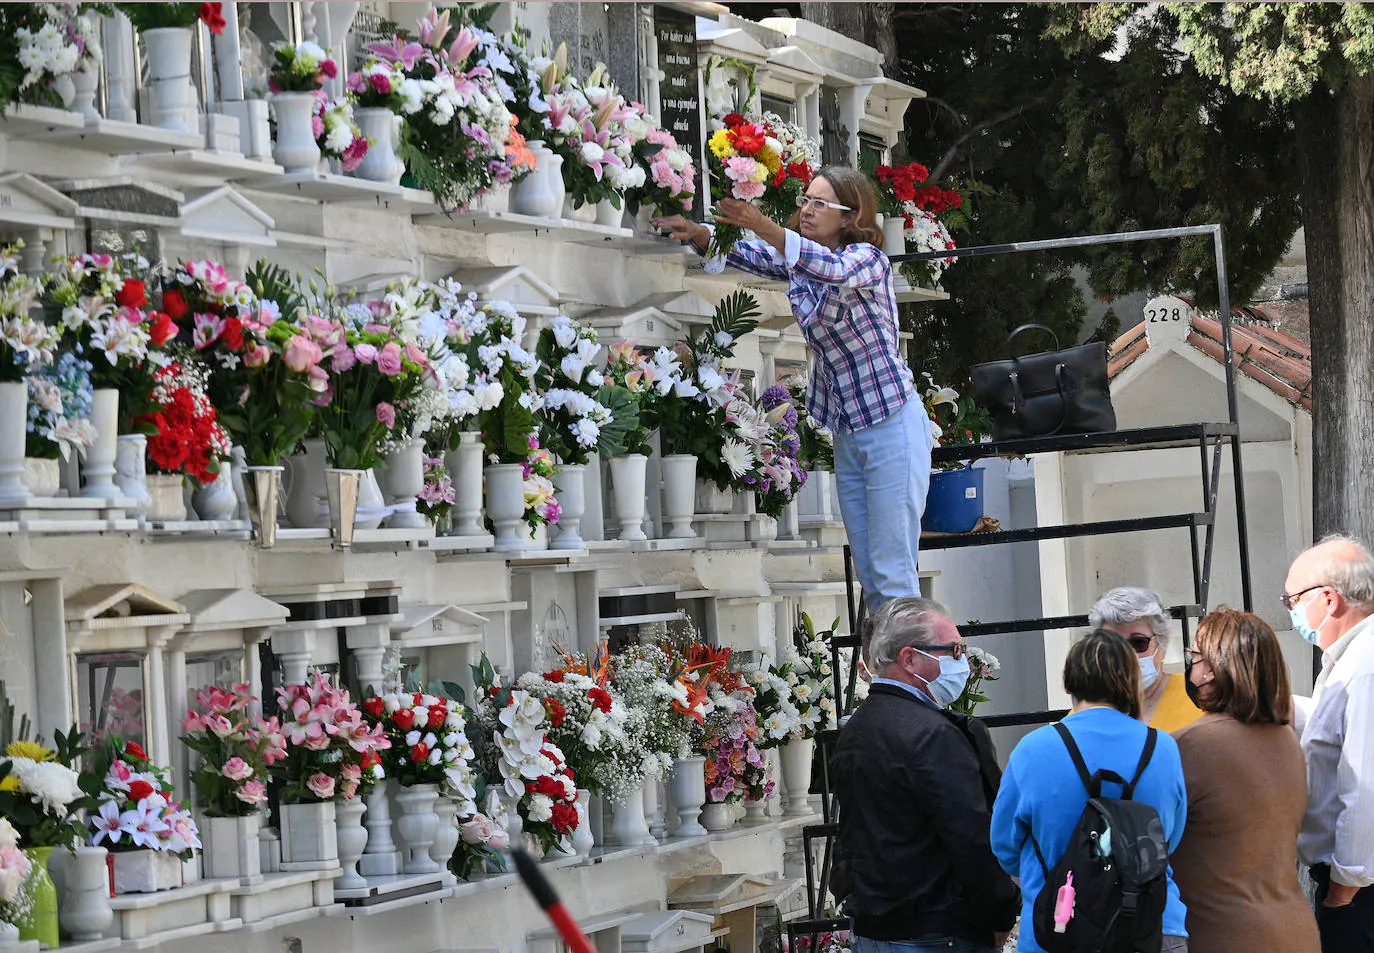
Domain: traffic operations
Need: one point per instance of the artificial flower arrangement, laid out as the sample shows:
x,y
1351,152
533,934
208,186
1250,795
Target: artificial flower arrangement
x,y
926,211
779,454
590,725
811,679
494,351
670,181
436,499
735,768
237,749
336,131
774,705
983,667
454,142
749,162
39,41
573,423
656,698
429,743
330,748
817,443
16,876
629,374
541,505
587,126
461,326
25,342
60,403
517,757
184,432
300,67
41,794
98,306
134,808
954,420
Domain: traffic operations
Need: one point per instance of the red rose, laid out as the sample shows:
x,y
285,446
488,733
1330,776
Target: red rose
x,y
600,699
162,330
419,754
437,716
212,16
556,711
174,303
374,706
232,338
404,718
733,119
370,759
139,790
131,294
134,750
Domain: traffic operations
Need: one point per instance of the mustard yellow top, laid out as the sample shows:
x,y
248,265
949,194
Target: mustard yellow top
x,y
1175,708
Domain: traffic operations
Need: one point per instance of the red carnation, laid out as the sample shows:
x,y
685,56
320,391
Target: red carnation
x,y
404,718
418,698
600,699
139,790
131,294
374,706
211,14
437,714
556,712
162,330
135,750
733,119
419,754
569,772
174,303
564,818
554,677
232,337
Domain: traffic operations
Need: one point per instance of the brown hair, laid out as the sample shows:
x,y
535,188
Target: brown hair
x,y
1101,667
1250,680
852,188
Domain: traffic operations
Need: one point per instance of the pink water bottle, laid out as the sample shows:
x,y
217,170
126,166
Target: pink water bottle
x,y
1063,905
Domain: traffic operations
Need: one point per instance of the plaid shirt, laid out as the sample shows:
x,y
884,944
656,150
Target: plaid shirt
x,y
847,309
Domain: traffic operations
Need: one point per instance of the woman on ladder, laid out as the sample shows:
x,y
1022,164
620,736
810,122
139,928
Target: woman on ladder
x,y
840,285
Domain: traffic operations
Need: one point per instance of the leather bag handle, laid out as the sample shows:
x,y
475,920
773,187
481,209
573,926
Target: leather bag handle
x,y
1033,327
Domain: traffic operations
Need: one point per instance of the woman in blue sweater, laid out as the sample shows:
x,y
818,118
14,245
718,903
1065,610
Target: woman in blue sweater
x,y
1042,794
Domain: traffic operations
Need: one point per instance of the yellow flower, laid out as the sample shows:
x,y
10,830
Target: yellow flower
x,y
9,783
771,159
30,750
761,173
720,144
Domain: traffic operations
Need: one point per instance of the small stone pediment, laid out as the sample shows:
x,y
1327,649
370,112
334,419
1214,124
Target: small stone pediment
x,y
25,201
530,294
224,215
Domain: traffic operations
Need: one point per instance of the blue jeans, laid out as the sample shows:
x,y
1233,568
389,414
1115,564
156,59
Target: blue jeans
x,y
945,945
882,473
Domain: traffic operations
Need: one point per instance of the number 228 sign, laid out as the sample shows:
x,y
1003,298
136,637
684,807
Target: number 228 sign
x,y
1168,316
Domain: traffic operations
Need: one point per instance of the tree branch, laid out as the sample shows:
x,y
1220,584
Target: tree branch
x,y
953,151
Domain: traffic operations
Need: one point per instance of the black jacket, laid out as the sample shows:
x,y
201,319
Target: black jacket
x,y
914,818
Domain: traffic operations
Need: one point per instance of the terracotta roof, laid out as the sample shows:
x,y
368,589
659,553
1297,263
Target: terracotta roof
x,y
1276,359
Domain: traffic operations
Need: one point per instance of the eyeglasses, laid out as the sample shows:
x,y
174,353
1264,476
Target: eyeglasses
x,y
820,205
1290,599
956,650
1140,643
1194,655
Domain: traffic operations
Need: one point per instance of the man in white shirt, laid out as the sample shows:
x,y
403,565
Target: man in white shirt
x,y
1330,594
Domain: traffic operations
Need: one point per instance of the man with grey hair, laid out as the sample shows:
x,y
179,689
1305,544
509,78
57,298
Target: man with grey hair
x,y
1329,593
1140,617
914,818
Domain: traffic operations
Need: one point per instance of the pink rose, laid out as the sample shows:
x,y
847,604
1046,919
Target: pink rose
x,y
348,790
257,356
192,722
352,772
381,83
344,358
251,792
478,830
236,769
499,839
321,785
389,359
302,354
416,355
365,353
385,412
220,725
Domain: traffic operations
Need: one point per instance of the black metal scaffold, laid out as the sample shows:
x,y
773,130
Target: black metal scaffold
x,y
1209,438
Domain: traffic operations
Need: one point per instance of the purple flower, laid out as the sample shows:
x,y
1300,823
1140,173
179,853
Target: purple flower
x,y
775,396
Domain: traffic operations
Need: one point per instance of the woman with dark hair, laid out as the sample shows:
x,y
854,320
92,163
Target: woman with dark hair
x,y
840,286
1247,793
1042,793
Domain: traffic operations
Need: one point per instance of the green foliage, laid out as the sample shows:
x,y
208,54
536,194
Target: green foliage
x,y
625,433
155,16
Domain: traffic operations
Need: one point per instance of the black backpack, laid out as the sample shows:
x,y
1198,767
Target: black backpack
x,y
1120,892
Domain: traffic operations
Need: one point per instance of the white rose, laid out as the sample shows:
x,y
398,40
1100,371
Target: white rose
x,y
591,152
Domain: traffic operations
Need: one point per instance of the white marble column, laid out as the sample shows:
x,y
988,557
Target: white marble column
x,y
768,374
368,644
121,69
295,648
155,707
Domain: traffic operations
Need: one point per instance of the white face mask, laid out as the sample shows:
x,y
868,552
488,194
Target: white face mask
x,y
1311,633
946,687
1148,673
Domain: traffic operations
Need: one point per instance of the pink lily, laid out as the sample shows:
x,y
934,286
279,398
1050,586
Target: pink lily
x,y
433,29
462,46
397,51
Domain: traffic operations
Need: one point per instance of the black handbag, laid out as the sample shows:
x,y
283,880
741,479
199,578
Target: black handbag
x,y
1052,392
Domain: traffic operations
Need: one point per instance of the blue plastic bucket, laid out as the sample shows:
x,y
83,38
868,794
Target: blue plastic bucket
x,y
954,503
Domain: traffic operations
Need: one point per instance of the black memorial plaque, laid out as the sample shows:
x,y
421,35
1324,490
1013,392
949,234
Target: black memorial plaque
x,y
679,92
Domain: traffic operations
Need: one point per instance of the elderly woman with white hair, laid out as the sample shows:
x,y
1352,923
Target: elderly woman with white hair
x,y
1140,617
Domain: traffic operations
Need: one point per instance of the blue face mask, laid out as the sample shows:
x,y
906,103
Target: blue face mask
x,y
949,684
1148,673
1305,628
